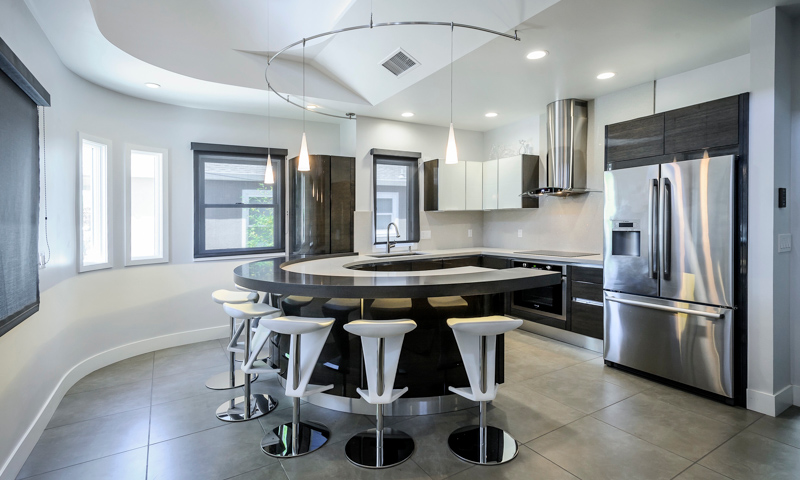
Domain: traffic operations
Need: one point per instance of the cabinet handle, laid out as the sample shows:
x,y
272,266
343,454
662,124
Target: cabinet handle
x,y
587,302
666,308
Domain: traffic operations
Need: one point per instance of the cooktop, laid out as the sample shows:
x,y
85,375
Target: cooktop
x,y
553,253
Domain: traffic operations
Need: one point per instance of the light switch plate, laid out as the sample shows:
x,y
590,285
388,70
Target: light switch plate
x,y
519,233
784,242
425,235
469,233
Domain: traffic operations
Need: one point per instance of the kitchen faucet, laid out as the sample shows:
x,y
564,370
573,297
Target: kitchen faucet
x,y
389,244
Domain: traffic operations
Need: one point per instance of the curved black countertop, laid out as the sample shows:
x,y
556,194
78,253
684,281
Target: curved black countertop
x,y
329,277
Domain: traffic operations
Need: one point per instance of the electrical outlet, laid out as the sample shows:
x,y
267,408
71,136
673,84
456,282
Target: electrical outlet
x,y
425,235
784,242
519,233
469,233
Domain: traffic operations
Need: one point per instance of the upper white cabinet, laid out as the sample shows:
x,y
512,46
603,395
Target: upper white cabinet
x,y
490,185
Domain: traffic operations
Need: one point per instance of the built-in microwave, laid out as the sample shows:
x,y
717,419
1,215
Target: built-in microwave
x,y
546,305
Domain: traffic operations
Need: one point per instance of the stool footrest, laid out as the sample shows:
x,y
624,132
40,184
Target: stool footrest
x,y
314,389
396,393
467,393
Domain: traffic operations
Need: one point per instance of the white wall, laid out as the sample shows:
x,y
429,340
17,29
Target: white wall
x,y
794,205
769,390
719,80
89,320
448,229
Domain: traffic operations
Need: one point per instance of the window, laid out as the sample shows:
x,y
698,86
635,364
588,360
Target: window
x,y
396,200
93,222
146,209
236,213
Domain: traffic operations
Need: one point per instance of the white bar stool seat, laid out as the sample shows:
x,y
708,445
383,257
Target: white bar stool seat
x,y
233,378
251,405
382,342
477,342
308,336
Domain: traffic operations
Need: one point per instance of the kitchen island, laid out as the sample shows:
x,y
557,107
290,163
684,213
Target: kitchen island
x,y
428,288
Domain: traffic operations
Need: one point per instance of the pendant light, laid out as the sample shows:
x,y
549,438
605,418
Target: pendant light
x,y
303,163
451,154
269,175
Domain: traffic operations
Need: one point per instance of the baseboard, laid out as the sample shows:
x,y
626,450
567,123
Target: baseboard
x,y
24,447
796,395
769,404
589,343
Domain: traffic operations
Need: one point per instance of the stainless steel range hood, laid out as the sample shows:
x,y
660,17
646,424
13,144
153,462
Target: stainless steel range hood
x,y
567,126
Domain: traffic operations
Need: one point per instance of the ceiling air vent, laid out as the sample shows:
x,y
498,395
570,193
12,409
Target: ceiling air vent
x,y
399,62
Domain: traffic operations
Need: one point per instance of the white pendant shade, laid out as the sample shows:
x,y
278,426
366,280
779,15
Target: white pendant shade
x,y
451,156
269,175
303,163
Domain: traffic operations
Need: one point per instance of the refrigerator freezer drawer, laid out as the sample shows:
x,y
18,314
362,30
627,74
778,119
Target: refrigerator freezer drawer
x,y
688,343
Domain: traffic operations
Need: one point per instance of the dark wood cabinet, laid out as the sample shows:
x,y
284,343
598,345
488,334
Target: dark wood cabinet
x,y
498,263
471,261
704,126
586,301
640,138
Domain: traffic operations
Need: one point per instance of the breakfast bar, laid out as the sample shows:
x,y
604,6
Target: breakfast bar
x,y
428,289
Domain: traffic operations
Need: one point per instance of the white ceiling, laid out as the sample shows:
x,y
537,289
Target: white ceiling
x,y
212,53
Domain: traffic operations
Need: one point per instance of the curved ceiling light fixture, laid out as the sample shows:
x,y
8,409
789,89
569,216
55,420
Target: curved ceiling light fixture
x,y
351,116
269,175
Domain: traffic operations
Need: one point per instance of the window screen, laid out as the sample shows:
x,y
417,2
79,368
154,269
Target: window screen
x,y
396,200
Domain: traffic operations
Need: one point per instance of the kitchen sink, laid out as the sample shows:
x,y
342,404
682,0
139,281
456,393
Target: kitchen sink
x,y
395,254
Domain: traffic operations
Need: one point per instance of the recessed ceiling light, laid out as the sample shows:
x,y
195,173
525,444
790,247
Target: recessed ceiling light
x,y
152,85
407,114
537,54
491,114
311,106
606,75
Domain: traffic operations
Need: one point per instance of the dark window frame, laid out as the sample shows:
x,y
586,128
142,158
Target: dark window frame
x,y
412,197
246,156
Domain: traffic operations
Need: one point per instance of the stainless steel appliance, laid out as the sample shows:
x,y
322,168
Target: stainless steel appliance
x,y
548,302
556,253
668,257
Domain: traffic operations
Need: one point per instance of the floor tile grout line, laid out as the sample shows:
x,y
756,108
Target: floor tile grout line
x,y
768,438
548,460
702,414
714,450
101,388
96,417
80,463
150,420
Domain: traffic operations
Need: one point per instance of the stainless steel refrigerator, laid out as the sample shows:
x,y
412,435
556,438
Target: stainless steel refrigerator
x,y
668,278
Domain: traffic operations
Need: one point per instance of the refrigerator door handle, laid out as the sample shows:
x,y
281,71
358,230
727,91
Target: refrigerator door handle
x,y
666,250
666,308
652,226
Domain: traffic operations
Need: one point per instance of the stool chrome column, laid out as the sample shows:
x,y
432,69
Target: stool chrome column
x,y
477,341
381,341
249,406
308,336
233,378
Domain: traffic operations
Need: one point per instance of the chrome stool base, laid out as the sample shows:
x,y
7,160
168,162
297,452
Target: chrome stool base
x,y
234,410
222,381
465,443
362,448
284,441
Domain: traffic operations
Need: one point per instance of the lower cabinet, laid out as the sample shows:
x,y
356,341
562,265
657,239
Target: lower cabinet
x,y
585,314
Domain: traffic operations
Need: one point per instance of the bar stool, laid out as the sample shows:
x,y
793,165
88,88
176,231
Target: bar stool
x,y
477,341
233,378
381,342
308,336
293,304
249,406
340,309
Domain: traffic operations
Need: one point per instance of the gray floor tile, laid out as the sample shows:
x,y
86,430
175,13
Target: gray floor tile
x,y
183,385
131,370
528,465
189,415
81,406
699,472
430,434
188,348
736,416
330,462
682,432
341,425
526,414
131,465
784,428
524,364
271,472
213,454
583,394
268,383
596,369
189,362
89,440
577,353
590,449
749,456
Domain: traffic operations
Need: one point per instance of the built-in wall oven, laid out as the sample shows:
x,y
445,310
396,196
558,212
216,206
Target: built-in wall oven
x,y
546,305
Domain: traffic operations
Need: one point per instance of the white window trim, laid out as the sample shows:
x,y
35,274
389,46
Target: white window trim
x,y
109,204
164,258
